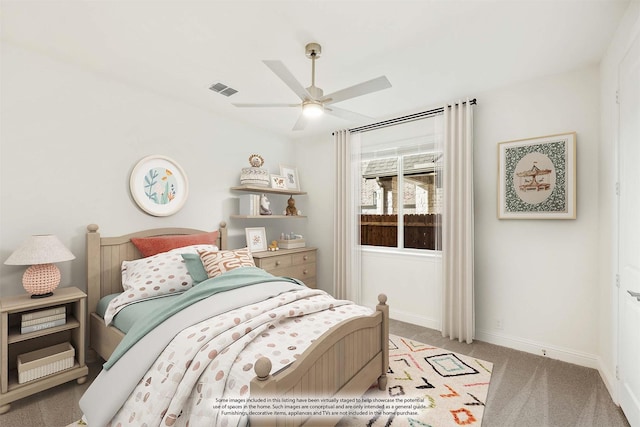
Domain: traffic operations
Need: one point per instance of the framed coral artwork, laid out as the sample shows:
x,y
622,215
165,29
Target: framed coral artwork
x,y
537,178
256,239
158,185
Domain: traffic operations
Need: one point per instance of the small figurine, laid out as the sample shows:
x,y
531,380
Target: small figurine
x,y
273,246
256,160
265,205
291,207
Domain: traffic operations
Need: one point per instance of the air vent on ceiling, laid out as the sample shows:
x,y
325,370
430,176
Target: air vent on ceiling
x,y
223,89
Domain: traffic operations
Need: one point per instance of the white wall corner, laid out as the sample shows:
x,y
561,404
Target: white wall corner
x,y
609,378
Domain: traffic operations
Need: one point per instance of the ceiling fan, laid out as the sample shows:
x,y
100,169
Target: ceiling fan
x,y
314,102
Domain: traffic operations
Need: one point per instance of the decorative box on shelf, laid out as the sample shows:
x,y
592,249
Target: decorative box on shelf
x,y
45,361
292,243
255,175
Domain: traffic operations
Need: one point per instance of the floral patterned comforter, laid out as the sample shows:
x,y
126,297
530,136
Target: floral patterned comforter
x,y
214,358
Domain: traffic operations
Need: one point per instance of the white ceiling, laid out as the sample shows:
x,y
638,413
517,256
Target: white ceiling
x,y
431,51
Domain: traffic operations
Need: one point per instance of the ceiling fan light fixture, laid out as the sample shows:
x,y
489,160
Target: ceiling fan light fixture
x,y
313,98
312,109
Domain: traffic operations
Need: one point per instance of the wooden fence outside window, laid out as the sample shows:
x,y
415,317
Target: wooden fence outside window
x,y
421,231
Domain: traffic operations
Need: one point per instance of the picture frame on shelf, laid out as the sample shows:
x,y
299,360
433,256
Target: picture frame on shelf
x,y
256,239
290,175
278,182
537,178
158,185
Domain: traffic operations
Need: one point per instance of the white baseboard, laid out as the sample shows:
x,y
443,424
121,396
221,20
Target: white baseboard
x,y
541,349
414,319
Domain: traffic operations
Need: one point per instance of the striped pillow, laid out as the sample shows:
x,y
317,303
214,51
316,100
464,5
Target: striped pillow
x,y
218,262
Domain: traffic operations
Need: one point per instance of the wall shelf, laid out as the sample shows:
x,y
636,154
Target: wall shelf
x,y
258,189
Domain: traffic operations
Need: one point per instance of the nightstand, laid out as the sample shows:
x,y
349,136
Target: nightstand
x,y
14,343
299,263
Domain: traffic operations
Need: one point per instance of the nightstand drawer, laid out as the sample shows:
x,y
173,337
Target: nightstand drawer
x,y
304,258
300,272
272,263
299,263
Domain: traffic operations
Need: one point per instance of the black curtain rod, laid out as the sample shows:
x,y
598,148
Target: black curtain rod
x,y
404,119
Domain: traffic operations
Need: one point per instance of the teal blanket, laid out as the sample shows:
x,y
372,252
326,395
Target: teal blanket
x,y
233,279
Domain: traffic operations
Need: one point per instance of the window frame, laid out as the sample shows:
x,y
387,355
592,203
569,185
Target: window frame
x,y
399,205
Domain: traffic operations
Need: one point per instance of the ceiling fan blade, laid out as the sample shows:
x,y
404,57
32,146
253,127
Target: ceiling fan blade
x,y
301,123
285,75
263,105
360,89
348,115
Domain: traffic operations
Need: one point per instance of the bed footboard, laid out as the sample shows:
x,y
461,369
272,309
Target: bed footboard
x,y
346,361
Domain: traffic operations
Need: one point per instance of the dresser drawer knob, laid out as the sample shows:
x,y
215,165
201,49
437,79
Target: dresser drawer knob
x,y
305,257
277,262
305,271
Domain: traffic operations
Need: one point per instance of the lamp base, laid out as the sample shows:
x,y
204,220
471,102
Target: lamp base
x,y
48,294
41,280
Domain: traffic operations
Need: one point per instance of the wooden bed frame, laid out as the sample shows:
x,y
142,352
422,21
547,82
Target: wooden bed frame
x,y
346,360
104,261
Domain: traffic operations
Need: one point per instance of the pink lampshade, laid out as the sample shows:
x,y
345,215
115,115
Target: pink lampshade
x,y
40,251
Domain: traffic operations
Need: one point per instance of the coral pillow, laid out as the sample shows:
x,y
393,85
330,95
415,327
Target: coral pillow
x,y
149,246
218,262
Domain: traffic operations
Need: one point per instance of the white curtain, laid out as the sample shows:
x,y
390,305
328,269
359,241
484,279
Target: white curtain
x,y
346,235
458,317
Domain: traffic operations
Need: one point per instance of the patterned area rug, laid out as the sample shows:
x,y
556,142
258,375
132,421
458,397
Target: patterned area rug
x,y
452,387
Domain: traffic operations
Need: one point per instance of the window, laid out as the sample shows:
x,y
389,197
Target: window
x,y
401,192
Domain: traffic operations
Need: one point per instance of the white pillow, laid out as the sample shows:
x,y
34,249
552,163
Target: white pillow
x,y
151,277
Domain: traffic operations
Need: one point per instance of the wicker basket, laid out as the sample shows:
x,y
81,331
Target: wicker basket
x,y
292,244
45,361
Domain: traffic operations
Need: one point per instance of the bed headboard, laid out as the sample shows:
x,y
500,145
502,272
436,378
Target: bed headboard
x,y
105,256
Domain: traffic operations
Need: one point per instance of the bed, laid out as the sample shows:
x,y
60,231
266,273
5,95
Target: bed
x,y
345,360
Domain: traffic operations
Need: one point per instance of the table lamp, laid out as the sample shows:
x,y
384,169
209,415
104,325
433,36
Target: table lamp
x,y
40,252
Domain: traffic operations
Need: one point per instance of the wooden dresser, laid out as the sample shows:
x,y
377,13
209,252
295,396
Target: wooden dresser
x,y
298,263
